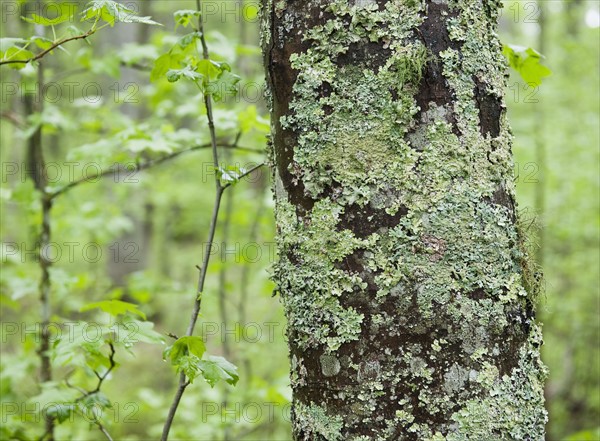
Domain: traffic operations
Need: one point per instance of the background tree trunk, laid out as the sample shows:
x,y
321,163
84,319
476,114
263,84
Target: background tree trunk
x,y
402,268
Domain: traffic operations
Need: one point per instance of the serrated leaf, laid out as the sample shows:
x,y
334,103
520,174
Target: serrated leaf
x,y
163,64
184,17
526,61
225,85
16,53
188,72
138,331
208,68
216,368
112,12
66,12
114,308
188,39
42,42
188,345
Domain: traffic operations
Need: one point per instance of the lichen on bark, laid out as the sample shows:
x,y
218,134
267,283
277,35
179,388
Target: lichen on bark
x,y
401,266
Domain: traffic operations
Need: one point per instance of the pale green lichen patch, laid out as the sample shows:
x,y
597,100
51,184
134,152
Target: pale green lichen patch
x,y
514,406
309,252
315,423
330,365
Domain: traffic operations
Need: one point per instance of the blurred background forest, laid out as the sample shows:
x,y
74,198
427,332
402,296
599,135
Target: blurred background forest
x,y
137,235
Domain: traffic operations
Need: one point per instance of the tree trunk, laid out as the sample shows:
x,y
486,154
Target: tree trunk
x,y
401,266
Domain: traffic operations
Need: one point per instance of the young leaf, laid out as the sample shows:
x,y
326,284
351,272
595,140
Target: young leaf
x,y
526,61
224,85
184,17
188,345
60,411
17,53
209,68
66,12
41,42
216,368
163,64
112,12
187,72
115,308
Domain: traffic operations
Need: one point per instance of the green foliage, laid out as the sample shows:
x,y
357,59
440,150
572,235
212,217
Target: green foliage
x,y
14,50
186,354
112,12
65,14
115,308
526,61
585,435
185,16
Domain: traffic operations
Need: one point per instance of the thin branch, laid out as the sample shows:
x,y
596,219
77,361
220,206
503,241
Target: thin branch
x,y
101,378
51,48
104,431
67,73
14,118
183,383
140,167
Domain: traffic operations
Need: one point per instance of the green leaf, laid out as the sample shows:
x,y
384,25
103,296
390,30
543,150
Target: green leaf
x,y
230,174
115,308
60,412
209,68
5,43
141,332
188,72
112,12
53,393
188,364
42,42
586,435
16,53
216,368
184,17
223,86
188,39
526,61
188,345
66,12
163,64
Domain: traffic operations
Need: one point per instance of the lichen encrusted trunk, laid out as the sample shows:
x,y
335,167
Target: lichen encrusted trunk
x,y
401,266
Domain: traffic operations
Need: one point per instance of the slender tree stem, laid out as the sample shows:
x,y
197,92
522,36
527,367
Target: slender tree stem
x,y
183,382
38,174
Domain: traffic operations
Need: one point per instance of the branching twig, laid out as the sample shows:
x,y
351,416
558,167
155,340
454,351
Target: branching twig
x,y
51,48
101,378
140,167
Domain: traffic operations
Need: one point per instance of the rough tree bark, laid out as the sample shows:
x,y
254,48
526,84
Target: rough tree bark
x,y
402,269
